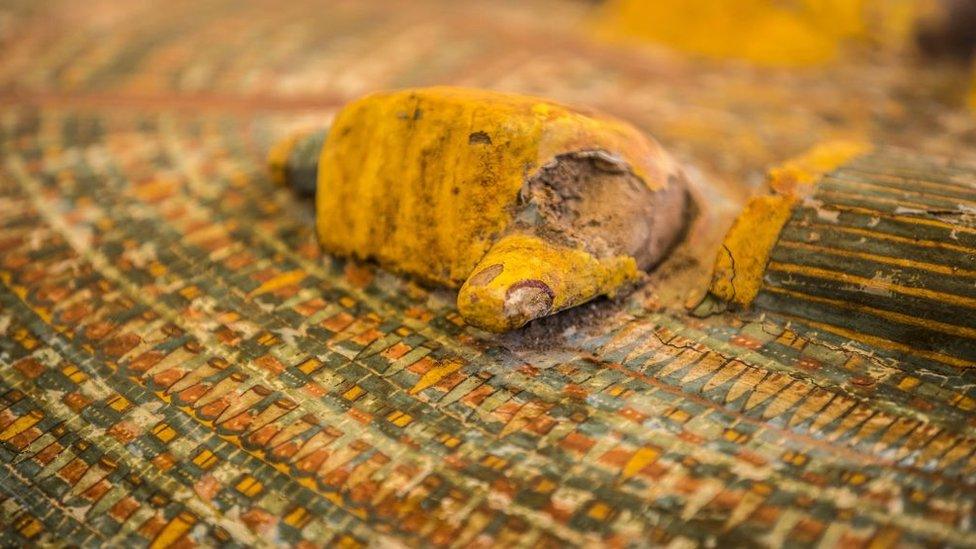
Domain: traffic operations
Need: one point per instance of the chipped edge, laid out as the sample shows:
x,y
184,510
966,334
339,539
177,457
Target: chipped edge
x,y
741,261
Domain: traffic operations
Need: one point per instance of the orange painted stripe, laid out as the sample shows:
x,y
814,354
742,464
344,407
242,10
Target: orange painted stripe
x,y
884,343
877,199
903,218
895,238
913,180
945,185
899,190
933,267
824,274
934,325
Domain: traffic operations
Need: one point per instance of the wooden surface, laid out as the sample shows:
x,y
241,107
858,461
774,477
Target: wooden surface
x,y
181,364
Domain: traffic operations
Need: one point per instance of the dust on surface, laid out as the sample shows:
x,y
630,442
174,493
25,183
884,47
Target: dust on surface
x,y
593,200
549,333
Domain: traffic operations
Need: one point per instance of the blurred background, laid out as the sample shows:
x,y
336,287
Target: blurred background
x,y
731,86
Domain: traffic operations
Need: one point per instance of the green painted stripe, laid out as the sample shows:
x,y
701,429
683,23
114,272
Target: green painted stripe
x,y
895,182
879,191
867,323
851,238
891,205
962,287
905,304
894,166
883,222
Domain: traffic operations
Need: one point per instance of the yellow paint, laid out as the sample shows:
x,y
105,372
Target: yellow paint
x,y
875,199
20,425
173,531
767,32
278,157
558,277
745,251
205,459
900,239
919,184
249,486
399,418
797,176
119,404
28,526
909,219
73,373
599,511
960,331
741,261
641,458
897,261
494,462
544,486
283,280
963,402
972,92
450,441
908,383
310,365
873,283
426,180
434,375
297,518
353,393
164,432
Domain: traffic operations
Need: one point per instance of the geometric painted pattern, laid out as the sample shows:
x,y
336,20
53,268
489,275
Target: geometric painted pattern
x,y
181,365
171,374
883,253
